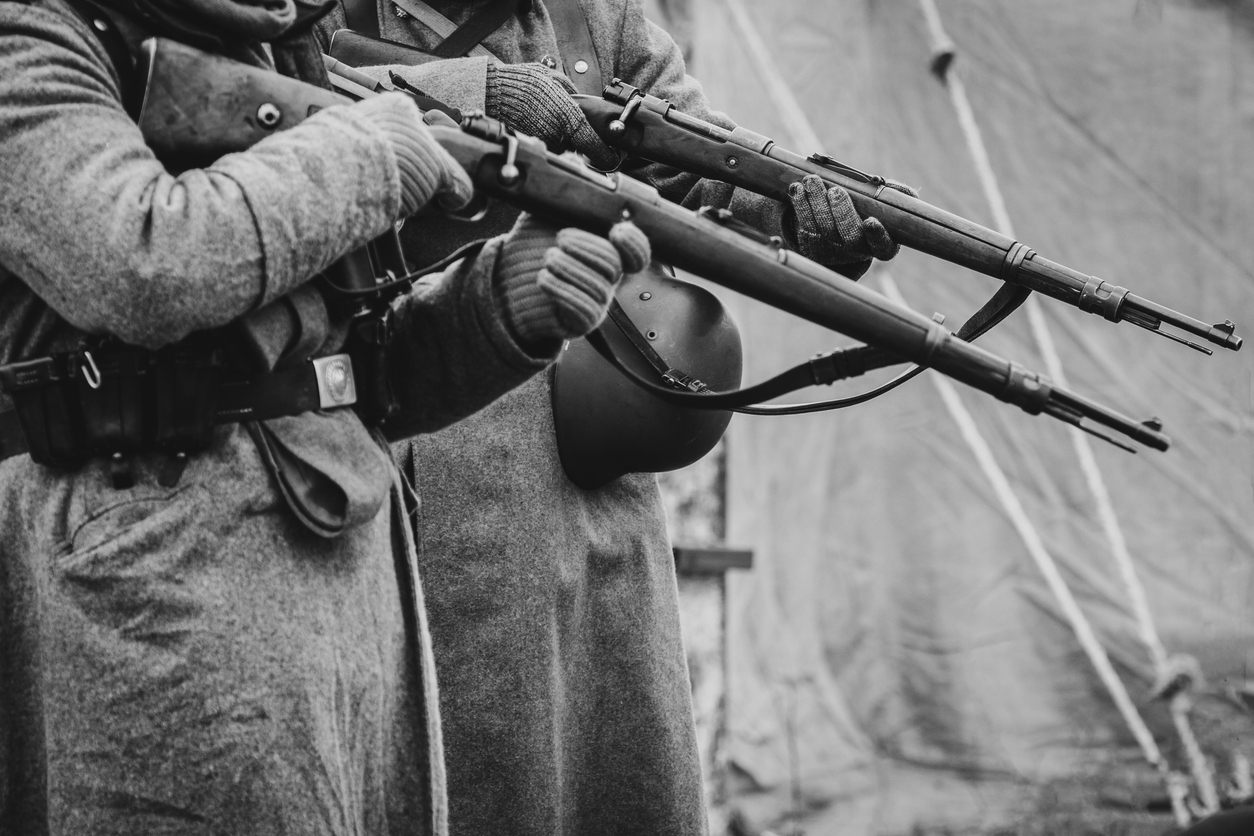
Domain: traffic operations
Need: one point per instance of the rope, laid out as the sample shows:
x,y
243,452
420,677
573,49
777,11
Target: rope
x,y
943,51
797,124
1040,555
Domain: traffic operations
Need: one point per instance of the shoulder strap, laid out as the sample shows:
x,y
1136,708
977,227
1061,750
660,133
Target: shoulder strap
x,y
436,22
574,41
102,25
362,16
478,26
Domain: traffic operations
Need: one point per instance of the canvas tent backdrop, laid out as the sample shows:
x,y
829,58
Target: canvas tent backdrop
x,y
896,658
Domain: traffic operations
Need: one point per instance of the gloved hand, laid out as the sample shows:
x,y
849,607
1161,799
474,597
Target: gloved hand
x,y
426,169
830,231
556,284
532,100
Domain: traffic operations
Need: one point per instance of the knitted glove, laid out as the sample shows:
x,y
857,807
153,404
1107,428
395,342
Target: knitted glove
x,y
556,284
426,169
830,231
534,101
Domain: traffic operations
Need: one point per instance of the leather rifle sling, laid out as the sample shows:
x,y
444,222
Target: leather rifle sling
x,y
478,26
362,16
570,28
458,41
574,42
436,22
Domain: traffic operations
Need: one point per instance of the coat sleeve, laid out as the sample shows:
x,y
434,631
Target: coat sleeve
x,y
453,353
649,59
98,229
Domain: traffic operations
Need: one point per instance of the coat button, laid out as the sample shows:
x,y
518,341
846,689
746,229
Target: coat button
x,y
581,66
549,61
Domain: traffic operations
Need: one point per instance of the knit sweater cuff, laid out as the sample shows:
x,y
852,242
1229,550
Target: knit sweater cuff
x,y
399,119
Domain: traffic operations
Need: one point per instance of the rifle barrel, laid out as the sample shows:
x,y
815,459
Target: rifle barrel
x,y
520,171
651,128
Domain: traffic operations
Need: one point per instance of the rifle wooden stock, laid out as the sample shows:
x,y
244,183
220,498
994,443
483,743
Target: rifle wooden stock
x,y
564,191
651,128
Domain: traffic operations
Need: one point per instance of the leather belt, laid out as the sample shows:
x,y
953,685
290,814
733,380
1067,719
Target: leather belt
x,y
324,383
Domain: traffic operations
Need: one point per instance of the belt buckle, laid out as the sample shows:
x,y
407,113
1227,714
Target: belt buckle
x,y
336,385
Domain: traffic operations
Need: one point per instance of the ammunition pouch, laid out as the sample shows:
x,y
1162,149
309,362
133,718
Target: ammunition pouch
x,y
114,400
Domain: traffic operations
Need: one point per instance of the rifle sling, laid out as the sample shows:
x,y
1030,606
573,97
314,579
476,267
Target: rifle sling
x,y
570,28
100,22
362,16
478,26
999,306
574,42
824,369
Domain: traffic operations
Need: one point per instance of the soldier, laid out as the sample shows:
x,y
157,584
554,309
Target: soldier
x,y
554,609
180,655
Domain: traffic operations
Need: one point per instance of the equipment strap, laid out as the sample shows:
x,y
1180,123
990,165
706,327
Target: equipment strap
x,y
574,42
824,369
436,22
478,26
102,25
570,28
999,306
12,439
362,16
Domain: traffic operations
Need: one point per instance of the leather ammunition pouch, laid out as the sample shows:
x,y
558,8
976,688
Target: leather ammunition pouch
x,y
114,400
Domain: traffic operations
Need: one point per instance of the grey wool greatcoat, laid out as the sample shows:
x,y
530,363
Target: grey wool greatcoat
x,y
554,613
189,659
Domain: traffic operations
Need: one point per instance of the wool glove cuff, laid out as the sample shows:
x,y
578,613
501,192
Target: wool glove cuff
x,y
556,284
535,101
426,169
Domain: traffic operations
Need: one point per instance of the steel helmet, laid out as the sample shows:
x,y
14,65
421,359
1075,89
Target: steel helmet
x,y
606,425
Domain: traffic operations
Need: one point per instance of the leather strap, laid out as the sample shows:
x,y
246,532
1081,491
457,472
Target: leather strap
x,y
436,22
288,392
12,439
362,16
999,306
478,26
574,42
102,25
837,365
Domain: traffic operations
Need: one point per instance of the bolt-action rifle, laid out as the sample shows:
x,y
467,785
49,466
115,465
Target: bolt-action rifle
x,y
651,128
519,170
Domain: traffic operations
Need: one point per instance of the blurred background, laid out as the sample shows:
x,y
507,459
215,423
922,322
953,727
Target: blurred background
x,y
961,619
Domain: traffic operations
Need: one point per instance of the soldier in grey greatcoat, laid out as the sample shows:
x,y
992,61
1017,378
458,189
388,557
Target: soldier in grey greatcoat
x,y
554,609
178,654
